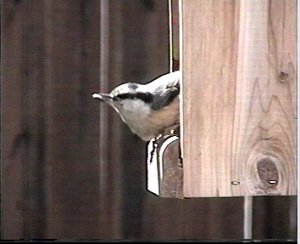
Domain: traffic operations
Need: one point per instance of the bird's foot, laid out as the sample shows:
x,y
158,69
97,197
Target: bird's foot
x,y
155,144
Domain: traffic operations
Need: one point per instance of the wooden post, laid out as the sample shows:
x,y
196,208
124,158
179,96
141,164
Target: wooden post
x,y
239,97
238,104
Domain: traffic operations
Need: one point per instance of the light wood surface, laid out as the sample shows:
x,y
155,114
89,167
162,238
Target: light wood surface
x,y
239,97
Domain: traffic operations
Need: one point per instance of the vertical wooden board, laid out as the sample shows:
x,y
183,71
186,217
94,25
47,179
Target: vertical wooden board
x,y
24,158
209,38
111,42
173,6
72,54
61,80
274,217
240,138
264,138
33,119
12,137
107,178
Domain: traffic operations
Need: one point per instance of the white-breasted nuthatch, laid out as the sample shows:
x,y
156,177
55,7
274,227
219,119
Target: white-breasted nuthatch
x,y
149,110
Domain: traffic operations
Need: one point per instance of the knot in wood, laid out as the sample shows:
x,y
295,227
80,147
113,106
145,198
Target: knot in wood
x,y
267,172
283,76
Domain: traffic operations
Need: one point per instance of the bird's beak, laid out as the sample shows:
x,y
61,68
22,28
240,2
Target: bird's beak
x,y
102,97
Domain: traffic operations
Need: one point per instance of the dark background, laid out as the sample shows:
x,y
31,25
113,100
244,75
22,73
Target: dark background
x,y
68,172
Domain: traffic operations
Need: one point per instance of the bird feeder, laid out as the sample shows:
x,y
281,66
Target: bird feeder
x,y
238,101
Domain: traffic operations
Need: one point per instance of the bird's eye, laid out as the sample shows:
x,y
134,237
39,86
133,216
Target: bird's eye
x,y
115,98
122,96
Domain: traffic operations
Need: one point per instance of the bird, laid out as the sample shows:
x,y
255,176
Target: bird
x,y
150,110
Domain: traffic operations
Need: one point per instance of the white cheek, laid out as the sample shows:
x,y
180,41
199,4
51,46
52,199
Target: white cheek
x,y
136,106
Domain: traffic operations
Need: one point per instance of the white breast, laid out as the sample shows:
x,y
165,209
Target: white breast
x,y
146,123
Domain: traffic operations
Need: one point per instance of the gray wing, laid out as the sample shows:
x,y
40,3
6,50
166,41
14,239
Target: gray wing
x,y
165,94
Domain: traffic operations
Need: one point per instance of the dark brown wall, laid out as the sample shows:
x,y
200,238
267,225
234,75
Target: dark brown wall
x,y
50,66
68,173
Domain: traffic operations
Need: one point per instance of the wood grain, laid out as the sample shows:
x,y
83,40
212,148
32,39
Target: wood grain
x,y
50,155
12,214
174,34
239,109
72,73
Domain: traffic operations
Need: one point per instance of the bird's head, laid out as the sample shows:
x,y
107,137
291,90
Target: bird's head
x,y
128,97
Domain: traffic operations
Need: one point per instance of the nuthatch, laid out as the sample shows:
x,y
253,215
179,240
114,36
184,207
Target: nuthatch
x,y
149,110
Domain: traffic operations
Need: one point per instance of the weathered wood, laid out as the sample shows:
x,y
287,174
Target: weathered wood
x,y
23,70
269,212
50,130
174,34
72,74
240,139
12,134
110,126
